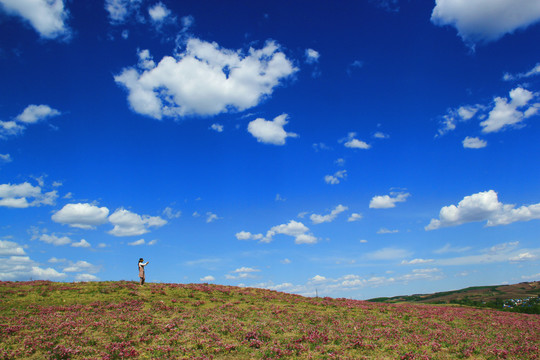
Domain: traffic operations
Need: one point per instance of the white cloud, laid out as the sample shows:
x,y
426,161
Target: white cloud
x,y
483,206
18,196
120,10
24,268
5,157
171,214
482,21
526,256
10,128
417,261
217,127
83,243
318,219
205,80
531,277
285,261
47,17
354,217
55,260
208,278
474,143
35,113
387,231
534,71
335,179
454,116
81,215
86,277
137,242
127,223
245,270
312,56
388,254
387,201
211,217
381,135
270,131
505,252
507,114
158,12
295,229
55,240
246,235
448,249
10,248
81,266
318,278
355,143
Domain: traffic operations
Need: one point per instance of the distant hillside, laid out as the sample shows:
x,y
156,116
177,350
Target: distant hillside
x,y
484,296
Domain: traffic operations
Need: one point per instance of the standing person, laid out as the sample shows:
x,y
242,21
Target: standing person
x,y
141,270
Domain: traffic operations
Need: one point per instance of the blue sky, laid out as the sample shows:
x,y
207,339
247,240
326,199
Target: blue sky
x,y
360,149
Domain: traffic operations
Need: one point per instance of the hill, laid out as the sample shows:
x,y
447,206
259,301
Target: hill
x,y
119,320
522,297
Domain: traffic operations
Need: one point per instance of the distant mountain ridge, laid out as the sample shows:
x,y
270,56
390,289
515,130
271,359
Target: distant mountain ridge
x,y
495,296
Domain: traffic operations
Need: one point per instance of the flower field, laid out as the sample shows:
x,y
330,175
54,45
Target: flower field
x,y
119,320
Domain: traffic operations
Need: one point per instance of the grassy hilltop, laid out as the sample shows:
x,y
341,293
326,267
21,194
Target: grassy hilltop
x,y
118,320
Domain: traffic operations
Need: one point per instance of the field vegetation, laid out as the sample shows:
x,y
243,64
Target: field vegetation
x,y
122,320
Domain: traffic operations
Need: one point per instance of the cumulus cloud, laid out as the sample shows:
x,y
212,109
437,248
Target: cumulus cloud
x,y
455,116
387,231
474,143
270,131
127,223
208,278
10,248
417,261
205,80
312,56
47,17
86,277
217,127
336,178
5,157
158,12
171,214
81,266
83,243
353,143
483,206
25,195
319,219
482,21
510,113
296,229
137,242
354,217
55,240
211,217
30,115
35,113
387,201
24,268
81,215
120,10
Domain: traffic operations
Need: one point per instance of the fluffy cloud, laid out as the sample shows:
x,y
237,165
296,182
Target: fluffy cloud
x,y
137,242
25,195
483,206
417,261
158,12
55,240
83,243
482,21
5,157
335,179
24,268
296,229
35,113
353,143
84,216
205,80
354,217
510,113
208,278
270,131
474,143
171,214
120,10
312,56
217,127
454,116
10,248
47,17
81,266
127,223
318,219
211,217
86,277
387,201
